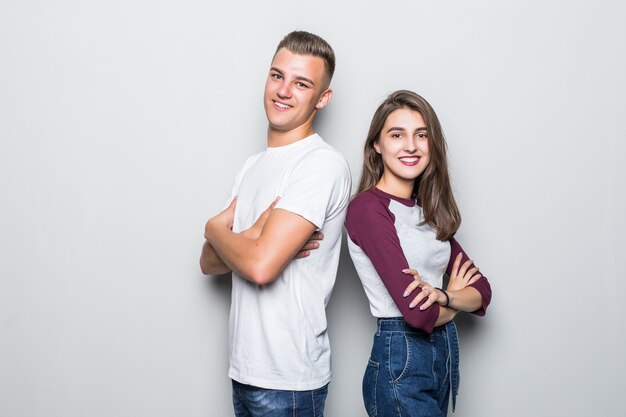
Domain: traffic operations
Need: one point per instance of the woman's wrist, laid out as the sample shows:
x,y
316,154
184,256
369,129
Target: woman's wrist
x,y
445,300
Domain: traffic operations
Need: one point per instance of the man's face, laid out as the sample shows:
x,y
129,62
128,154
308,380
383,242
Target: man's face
x,y
294,90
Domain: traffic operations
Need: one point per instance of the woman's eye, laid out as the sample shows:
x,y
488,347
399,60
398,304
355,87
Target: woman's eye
x,y
395,135
422,135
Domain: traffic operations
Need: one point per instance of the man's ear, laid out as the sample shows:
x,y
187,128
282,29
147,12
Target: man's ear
x,y
324,99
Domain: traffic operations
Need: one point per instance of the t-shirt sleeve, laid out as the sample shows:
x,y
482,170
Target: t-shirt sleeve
x,y
235,190
318,188
482,285
233,194
370,225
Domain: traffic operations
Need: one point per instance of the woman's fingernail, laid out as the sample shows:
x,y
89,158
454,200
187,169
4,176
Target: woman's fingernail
x,y
412,304
405,293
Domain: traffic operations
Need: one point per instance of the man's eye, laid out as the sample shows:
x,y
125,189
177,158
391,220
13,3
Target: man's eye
x,y
277,76
301,85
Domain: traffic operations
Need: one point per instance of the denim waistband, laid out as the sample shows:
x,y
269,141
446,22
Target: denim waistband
x,y
397,324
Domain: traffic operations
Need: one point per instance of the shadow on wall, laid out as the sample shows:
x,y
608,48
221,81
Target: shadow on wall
x,y
348,297
220,285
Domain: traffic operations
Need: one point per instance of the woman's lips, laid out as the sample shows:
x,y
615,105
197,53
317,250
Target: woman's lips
x,y
409,160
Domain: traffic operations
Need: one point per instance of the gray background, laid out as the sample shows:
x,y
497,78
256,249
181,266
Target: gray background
x,y
123,123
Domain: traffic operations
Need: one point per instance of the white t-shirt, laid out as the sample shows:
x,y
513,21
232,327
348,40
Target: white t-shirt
x,y
278,336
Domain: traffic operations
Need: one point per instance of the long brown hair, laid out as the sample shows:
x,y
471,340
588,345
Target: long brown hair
x,y
432,188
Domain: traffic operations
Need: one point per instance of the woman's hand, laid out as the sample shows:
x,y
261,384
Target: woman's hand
x,y
428,292
462,275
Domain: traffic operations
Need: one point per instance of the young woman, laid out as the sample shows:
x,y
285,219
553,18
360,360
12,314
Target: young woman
x,y
400,227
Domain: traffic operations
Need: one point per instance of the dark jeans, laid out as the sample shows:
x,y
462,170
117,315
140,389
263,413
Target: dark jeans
x,y
251,401
410,372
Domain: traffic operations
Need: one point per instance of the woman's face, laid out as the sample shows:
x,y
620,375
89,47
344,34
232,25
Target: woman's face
x,y
403,146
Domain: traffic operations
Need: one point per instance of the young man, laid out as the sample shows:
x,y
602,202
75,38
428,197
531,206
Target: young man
x,y
279,348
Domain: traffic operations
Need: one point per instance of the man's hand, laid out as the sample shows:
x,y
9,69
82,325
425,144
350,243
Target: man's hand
x,y
310,245
257,228
210,262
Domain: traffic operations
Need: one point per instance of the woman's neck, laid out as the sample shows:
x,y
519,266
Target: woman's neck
x,y
395,186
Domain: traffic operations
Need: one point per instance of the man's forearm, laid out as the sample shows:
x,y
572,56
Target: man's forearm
x,y
210,262
240,253
260,253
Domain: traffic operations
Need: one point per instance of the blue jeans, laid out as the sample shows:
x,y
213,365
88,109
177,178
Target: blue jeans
x,y
411,373
251,401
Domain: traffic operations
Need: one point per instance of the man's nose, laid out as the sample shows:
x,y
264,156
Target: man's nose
x,y
285,90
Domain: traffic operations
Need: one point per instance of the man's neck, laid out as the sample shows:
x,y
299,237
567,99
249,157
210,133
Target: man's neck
x,y
277,138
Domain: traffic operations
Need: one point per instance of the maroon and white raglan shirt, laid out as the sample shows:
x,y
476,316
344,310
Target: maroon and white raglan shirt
x,y
385,236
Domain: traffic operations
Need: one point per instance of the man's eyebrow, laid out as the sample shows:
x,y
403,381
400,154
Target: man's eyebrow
x,y
299,77
308,80
277,70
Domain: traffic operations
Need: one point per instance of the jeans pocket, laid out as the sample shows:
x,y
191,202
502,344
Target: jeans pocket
x,y
399,355
370,380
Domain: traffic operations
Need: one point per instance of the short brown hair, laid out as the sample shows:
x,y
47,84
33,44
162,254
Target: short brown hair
x,y
305,43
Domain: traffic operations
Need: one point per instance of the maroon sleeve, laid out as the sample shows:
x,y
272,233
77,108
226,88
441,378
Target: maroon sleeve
x,y
482,285
370,225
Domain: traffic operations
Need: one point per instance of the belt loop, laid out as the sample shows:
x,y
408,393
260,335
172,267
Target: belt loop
x,y
378,327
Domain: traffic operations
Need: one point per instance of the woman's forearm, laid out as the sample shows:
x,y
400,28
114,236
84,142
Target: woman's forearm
x,y
446,315
467,299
